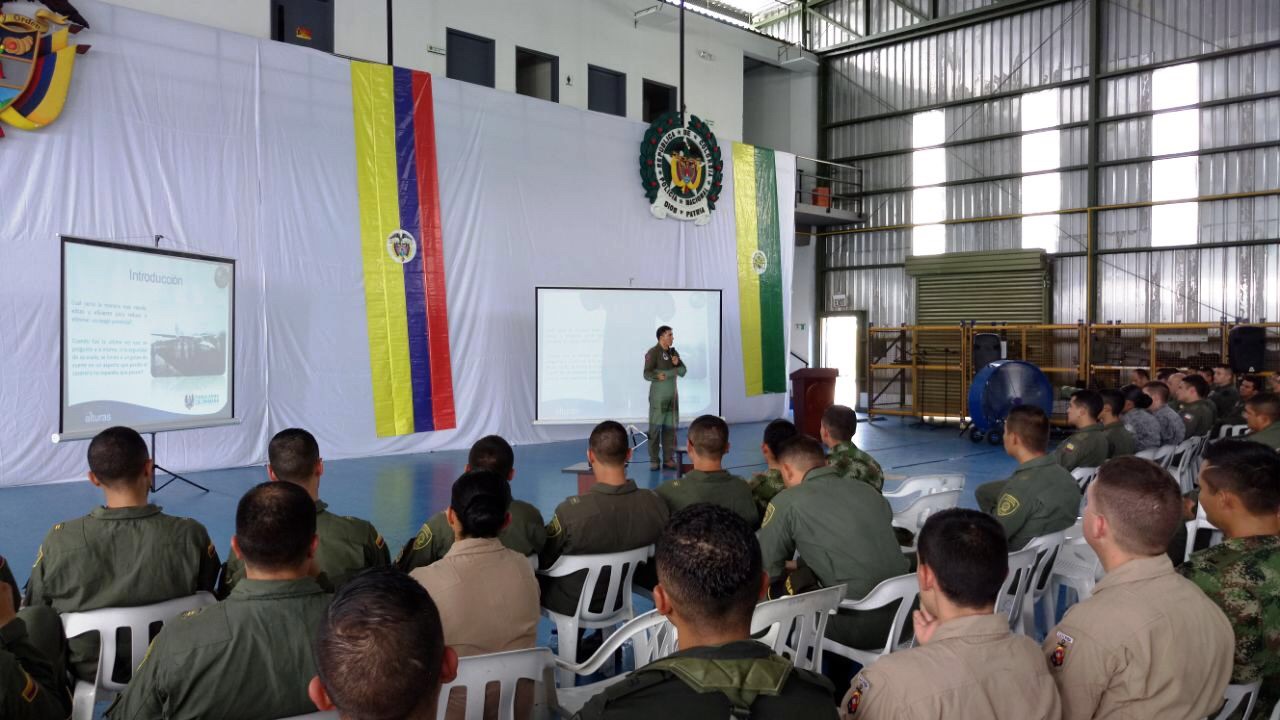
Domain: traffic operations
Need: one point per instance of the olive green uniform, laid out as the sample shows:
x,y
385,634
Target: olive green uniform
x,y
245,658
32,686
119,557
1040,498
855,464
6,576
737,679
664,401
1199,417
1225,399
718,488
1084,448
526,534
347,546
843,531
1120,441
605,519
764,487
1269,436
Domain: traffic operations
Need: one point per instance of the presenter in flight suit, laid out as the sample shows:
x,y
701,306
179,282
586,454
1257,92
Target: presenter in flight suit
x,y
662,365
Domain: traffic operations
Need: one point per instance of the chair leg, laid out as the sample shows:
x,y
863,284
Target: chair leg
x,y
86,694
567,634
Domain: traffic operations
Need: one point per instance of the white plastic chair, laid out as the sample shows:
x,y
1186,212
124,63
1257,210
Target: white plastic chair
x,y
106,622
913,516
1194,526
617,608
1084,476
1048,548
1187,464
1012,596
652,637
1164,455
1230,431
926,484
1235,695
1148,454
902,589
1077,568
506,669
796,624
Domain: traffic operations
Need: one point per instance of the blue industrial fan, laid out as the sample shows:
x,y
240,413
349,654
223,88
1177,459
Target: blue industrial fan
x,y
999,388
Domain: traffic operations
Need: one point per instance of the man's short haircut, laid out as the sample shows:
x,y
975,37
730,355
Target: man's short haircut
x,y
1158,389
663,330
494,454
1140,501
1140,400
841,422
481,499
776,432
709,562
380,646
1142,372
1265,404
803,452
968,552
1090,400
1031,425
1205,369
1165,372
293,454
1224,366
275,523
1255,380
1199,384
1249,470
1113,399
118,455
609,443
709,435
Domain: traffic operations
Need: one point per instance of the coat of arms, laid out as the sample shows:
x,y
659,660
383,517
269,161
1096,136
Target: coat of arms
x,y
36,60
681,169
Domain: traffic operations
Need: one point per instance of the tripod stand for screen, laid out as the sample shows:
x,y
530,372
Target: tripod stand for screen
x,y
158,468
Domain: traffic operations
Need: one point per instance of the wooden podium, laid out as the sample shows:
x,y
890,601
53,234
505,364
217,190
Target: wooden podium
x,y
813,391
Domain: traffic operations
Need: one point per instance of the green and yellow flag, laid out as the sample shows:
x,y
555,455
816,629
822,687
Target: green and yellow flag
x,y
755,195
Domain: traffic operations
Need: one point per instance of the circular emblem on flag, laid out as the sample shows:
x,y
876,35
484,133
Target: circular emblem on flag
x,y
402,247
759,262
681,168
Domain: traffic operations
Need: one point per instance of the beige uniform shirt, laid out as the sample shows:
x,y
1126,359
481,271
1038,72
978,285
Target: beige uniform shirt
x,y
487,596
1148,644
972,669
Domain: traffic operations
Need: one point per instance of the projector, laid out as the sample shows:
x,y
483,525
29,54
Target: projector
x,y
659,15
796,58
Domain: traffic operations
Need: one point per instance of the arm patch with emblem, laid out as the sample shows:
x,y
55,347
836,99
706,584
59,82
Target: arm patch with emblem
x,y
1007,506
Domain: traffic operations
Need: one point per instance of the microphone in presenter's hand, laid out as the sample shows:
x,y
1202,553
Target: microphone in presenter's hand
x,y
675,356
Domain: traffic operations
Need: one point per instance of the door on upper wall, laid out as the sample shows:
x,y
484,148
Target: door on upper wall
x,y
303,22
841,349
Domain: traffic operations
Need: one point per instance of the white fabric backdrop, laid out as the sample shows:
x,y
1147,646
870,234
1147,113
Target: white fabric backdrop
x,y
241,147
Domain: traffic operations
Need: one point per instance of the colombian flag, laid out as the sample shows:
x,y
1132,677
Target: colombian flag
x,y
755,196
402,250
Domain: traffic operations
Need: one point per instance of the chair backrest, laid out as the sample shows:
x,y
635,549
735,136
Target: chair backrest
x,y
1236,695
1148,454
1230,431
1046,548
106,621
622,570
1188,464
796,624
506,669
651,635
913,516
1193,529
903,588
1084,476
1164,455
926,484
1013,590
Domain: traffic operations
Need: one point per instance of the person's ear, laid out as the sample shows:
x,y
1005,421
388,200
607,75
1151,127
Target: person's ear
x,y
591,457
466,468
315,543
235,548
271,474
926,577
764,585
448,666
662,601
629,453
149,469
320,467
450,516
94,479
506,521
319,696
511,474
727,445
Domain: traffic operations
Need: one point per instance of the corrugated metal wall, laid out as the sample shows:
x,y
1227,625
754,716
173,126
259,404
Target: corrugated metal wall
x,y
976,74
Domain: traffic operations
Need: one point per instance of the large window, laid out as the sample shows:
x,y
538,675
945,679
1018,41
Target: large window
x,y
1041,154
928,169
1175,131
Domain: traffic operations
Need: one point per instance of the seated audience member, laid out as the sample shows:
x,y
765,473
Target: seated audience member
x,y
1206,372
32,672
1172,429
526,534
1175,391
249,656
1163,374
708,481
966,664
769,483
1139,377
614,515
1262,415
709,580
1250,386
1240,494
123,554
1148,643
380,651
839,423
1041,497
347,544
843,532
1273,383
1198,412
1136,417
1087,446
1223,394
1120,441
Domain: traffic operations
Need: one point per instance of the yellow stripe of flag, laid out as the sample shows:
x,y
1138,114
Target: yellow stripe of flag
x,y
744,198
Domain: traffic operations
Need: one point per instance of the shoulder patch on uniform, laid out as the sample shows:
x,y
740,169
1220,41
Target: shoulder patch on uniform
x,y
424,537
1007,506
57,527
575,500
379,543
860,686
1070,446
554,528
30,690
768,515
1058,657
211,551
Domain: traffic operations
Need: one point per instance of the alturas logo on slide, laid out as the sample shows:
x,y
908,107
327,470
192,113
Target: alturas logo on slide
x,y
191,400
402,247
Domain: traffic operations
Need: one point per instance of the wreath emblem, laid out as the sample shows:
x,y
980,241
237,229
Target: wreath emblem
x,y
681,168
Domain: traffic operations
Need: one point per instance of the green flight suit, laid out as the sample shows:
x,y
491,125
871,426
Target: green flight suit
x,y
32,682
713,682
1039,498
855,464
1225,398
6,576
1269,436
1199,417
605,519
764,486
719,488
1084,448
347,546
664,401
844,533
119,557
526,534
245,658
1120,441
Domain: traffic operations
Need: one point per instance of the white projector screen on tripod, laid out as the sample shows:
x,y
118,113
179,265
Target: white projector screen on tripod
x,y
592,343
148,339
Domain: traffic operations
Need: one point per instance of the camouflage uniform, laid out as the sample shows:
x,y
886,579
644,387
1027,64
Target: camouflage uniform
x,y
764,487
1242,575
1144,427
1172,430
857,465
